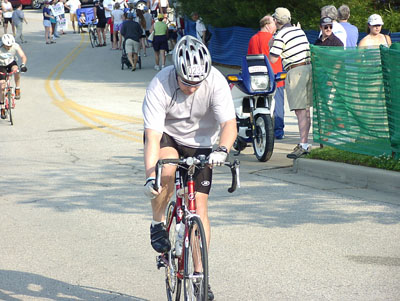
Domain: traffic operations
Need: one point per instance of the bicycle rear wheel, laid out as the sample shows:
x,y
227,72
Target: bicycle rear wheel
x,y
172,282
196,262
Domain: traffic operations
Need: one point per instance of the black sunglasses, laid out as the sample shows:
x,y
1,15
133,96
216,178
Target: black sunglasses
x,y
328,26
189,84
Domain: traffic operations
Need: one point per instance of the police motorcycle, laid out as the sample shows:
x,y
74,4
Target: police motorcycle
x,y
252,92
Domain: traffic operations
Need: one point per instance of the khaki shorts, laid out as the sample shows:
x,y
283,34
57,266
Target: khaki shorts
x,y
73,17
298,85
131,46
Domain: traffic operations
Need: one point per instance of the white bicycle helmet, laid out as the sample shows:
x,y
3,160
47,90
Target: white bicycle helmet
x,y
7,39
192,60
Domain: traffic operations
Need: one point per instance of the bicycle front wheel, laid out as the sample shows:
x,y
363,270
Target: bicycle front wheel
x,y
196,262
91,37
172,282
9,105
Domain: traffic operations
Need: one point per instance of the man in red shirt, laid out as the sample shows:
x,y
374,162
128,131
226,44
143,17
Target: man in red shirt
x,y
259,45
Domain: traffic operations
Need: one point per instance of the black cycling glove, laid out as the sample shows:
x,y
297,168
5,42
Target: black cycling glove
x,y
23,68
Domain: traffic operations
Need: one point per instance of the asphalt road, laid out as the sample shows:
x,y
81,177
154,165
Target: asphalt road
x,y
75,224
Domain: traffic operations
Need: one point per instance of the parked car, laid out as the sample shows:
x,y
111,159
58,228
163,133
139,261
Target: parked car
x,y
32,3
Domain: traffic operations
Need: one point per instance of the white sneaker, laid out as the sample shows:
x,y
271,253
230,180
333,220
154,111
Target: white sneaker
x,y
163,66
156,67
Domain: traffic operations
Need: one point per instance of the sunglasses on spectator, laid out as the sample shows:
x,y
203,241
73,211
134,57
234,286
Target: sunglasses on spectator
x,y
189,84
328,26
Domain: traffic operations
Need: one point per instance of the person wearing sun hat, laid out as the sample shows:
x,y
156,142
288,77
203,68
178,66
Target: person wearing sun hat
x,y
327,38
375,38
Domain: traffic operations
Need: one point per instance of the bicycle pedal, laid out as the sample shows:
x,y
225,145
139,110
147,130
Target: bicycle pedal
x,y
161,261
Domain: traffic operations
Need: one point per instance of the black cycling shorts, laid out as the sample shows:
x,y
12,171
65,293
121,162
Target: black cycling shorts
x,y
6,69
203,177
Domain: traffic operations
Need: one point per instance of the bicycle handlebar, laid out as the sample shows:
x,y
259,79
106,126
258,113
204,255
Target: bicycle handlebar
x,y
190,161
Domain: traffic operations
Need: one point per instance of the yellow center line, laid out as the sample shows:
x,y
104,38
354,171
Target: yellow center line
x,y
87,116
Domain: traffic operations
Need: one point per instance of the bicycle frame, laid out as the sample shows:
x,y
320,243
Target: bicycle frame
x,y
8,95
185,211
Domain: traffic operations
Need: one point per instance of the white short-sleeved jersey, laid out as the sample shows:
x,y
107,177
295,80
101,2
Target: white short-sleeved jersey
x,y
8,56
192,120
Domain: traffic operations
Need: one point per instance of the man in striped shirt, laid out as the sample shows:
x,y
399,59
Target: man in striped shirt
x,y
291,44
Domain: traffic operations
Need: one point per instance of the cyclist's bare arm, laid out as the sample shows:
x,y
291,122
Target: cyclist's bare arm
x,y
151,151
228,133
22,55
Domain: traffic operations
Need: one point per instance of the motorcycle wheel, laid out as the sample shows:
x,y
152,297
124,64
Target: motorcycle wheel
x,y
263,142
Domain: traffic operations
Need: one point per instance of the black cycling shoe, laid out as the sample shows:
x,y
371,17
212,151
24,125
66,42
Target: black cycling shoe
x,y
159,238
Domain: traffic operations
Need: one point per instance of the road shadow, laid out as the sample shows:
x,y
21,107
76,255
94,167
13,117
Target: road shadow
x,y
16,285
116,186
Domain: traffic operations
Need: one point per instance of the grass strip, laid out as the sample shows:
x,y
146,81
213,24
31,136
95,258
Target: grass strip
x,y
328,153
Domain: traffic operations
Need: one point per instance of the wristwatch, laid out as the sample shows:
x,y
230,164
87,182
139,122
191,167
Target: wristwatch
x,y
222,149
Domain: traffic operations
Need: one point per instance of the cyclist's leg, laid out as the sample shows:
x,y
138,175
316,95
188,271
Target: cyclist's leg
x,y
158,233
159,203
17,77
202,210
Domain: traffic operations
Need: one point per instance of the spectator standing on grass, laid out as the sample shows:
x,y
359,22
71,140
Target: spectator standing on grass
x,y
375,37
73,6
18,18
338,30
259,45
291,44
351,30
117,16
7,9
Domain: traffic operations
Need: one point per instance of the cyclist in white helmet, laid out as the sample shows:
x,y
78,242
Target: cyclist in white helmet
x,y
186,107
8,62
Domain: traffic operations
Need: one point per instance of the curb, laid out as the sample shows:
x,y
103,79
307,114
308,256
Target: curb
x,y
357,176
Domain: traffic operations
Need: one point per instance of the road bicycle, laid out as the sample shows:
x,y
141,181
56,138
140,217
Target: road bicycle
x,y
8,95
92,31
187,261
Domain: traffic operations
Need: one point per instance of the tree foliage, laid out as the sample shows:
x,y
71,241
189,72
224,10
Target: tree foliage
x,y
247,13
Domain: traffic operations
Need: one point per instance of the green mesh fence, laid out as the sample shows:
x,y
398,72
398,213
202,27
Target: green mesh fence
x,y
395,46
391,79
349,100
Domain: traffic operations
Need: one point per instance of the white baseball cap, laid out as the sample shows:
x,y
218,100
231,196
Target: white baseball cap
x,y
375,20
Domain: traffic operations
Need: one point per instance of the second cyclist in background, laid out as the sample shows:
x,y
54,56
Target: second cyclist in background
x,y
8,62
